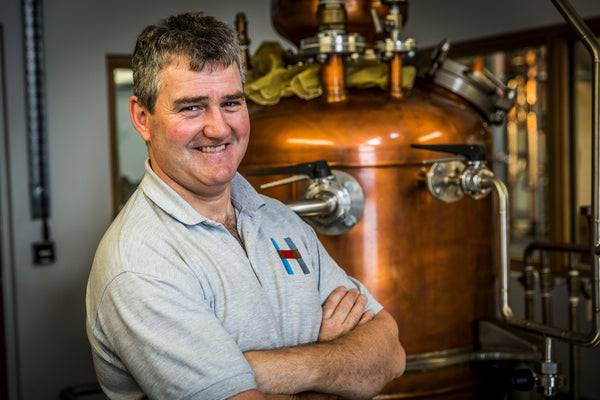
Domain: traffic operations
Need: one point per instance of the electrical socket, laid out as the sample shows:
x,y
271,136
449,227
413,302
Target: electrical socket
x,y
43,252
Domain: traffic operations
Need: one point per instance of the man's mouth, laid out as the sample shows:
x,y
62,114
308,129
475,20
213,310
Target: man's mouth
x,y
211,149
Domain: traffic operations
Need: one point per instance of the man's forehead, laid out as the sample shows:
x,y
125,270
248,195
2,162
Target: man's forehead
x,y
225,80
184,63
180,85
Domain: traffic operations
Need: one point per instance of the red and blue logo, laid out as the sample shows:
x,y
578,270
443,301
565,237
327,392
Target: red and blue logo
x,y
291,254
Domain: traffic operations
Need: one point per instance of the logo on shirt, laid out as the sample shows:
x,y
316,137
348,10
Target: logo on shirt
x,y
292,254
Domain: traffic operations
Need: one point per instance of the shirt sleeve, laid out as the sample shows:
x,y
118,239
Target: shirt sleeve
x,y
168,339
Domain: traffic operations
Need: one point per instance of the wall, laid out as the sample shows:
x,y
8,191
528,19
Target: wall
x,y
47,344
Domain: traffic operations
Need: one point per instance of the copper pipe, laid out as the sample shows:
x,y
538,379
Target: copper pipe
x,y
333,79
396,76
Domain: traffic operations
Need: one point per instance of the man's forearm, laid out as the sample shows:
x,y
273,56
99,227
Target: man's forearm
x,y
355,365
256,395
371,356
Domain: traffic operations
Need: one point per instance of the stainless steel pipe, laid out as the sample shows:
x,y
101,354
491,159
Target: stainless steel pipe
x,y
593,337
593,46
590,339
313,207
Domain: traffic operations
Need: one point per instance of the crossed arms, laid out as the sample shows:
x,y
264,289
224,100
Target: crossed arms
x,y
355,357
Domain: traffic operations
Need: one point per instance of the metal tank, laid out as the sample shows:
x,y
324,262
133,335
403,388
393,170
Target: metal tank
x,y
431,264
297,20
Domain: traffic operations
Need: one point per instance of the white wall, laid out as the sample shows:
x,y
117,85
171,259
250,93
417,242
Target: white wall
x,y
51,349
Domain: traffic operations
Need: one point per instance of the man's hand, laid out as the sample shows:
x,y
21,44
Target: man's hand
x,y
356,365
342,312
355,356
256,395
302,396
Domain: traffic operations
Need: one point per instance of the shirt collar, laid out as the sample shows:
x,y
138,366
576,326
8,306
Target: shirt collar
x,y
244,197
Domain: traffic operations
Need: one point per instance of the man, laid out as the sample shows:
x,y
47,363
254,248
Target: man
x,y
188,297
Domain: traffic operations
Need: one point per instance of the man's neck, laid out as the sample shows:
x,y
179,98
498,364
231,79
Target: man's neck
x,y
217,207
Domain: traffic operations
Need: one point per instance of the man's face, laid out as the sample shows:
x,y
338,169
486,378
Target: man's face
x,y
199,131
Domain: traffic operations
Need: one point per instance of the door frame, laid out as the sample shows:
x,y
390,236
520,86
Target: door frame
x,y
9,368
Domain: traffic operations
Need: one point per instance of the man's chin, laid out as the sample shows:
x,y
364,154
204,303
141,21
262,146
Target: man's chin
x,y
222,176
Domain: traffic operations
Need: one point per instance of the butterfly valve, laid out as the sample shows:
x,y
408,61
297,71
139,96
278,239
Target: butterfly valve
x,y
332,202
450,178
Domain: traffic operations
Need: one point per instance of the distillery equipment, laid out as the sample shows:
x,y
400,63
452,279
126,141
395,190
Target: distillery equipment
x,y
428,236
429,263
332,202
466,173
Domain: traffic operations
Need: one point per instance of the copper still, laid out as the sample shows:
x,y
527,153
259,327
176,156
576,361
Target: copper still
x,y
296,20
429,263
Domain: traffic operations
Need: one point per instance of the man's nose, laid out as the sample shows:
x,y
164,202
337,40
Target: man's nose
x,y
215,124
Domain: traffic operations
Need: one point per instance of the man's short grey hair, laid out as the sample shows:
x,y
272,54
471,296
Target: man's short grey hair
x,y
202,41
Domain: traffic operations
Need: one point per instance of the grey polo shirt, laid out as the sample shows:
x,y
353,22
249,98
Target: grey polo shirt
x,y
173,300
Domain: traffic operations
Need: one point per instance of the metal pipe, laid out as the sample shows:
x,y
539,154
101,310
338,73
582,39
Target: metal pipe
x,y
503,235
574,288
528,281
334,85
574,292
593,337
552,246
36,110
314,207
546,284
548,379
450,358
548,350
528,272
593,45
590,339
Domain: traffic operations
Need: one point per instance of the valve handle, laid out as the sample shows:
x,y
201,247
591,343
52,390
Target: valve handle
x,y
472,152
438,57
314,169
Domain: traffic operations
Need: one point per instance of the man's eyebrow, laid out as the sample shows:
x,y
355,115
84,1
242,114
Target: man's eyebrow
x,y
188,100
199,99
235,96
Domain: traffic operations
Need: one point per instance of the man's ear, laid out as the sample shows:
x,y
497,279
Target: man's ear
x,y
140,117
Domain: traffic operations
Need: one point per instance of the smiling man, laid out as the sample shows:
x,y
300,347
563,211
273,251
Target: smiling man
x,y
192,294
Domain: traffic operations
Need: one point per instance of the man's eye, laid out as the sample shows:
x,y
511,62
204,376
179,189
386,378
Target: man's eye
x,y
190,108
232,105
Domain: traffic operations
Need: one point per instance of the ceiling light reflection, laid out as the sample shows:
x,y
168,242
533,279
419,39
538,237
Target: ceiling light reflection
x,y
375,141
431,136
311,142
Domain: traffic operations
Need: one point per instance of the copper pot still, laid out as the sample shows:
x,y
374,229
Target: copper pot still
x,y
429,263
296,20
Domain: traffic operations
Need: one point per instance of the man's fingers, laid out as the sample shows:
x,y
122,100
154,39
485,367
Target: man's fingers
x,y
366,317
332,301
345,306
342,312
356,312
